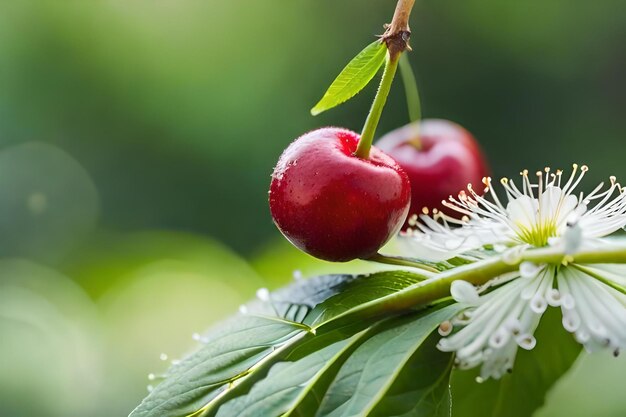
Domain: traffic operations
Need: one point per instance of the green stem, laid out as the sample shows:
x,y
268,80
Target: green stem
x,y
394,260
410,89
369,129
428,291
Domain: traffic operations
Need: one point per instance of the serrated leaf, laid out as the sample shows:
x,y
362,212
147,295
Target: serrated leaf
x,y
375,370
229,351
522,392
295,301
353,78
318,300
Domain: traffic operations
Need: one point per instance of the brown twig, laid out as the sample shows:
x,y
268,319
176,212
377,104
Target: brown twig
x,y
397,33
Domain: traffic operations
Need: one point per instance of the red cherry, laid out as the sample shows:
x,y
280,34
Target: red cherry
x,y
332,204
446,160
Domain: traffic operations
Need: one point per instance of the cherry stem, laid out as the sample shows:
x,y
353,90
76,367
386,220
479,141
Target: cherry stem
x,y
396,38
369,129
411,90
412,96
395,260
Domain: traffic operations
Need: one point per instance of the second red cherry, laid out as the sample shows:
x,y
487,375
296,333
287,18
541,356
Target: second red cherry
x,y
440,157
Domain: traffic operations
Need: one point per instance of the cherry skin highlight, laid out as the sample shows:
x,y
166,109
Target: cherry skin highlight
x,y
332,204
444,162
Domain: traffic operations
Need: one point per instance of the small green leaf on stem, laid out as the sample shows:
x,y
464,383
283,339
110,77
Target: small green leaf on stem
x,y
353,78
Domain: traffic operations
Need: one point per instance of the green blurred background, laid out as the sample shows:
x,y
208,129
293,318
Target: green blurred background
x,y
137,139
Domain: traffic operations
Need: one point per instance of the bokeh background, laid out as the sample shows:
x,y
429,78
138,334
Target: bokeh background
x,y
137,139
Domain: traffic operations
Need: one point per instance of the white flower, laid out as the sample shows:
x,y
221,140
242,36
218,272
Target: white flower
x,y
494,325
591,298
592,310
546,212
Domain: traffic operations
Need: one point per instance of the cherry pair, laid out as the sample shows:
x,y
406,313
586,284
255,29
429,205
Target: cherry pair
x,y
336,206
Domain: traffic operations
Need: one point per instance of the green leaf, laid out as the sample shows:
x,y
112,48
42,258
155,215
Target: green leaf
x,y
296,301
243,351
297,386
360,290
228,353
293,383
422,387
381,365
522,392
353,78
318,300
271,362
